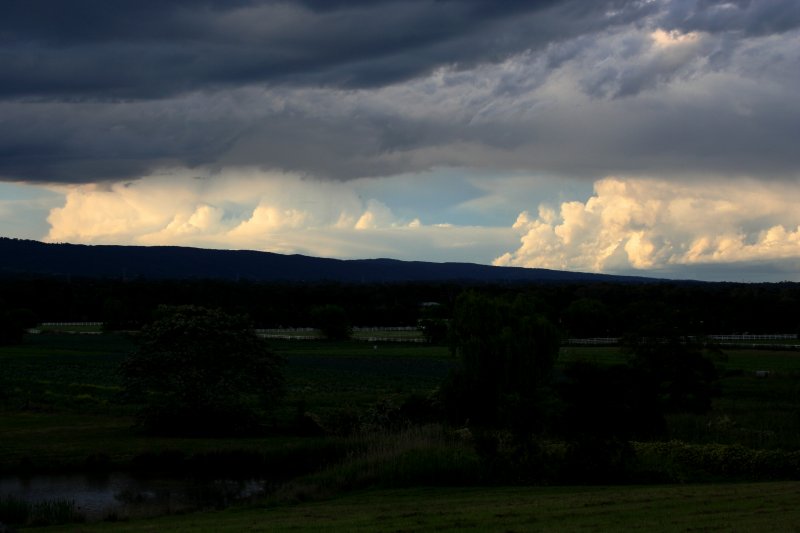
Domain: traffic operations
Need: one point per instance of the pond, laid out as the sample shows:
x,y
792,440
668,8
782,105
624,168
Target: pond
x,y
122,495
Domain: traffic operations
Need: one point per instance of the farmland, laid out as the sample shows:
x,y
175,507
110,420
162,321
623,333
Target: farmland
x,y
62,411
69,377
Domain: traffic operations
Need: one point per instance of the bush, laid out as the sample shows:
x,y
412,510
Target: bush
x,y
13,323
509,459
608,402
202,372
332,321
434,330
428,456
677,461
598,460
676,367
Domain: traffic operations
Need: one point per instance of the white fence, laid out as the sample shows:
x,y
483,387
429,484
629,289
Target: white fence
x,y
71,324
359,334
723,339
594,341
773,337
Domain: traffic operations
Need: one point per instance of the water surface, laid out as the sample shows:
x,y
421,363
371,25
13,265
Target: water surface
x,y
122,495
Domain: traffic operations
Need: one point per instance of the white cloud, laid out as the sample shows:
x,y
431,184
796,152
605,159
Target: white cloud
x,y
645,225
375,216
666,39
649,224
252,209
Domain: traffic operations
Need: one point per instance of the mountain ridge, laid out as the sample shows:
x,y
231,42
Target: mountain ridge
x,y
22,257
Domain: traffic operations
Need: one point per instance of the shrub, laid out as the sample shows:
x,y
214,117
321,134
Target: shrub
x,y
679,461
332,321
427,455
676,367
201,371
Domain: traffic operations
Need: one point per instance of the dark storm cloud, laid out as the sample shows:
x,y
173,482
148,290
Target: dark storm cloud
x,y
751,17
96,59
147,49
96,90
128,49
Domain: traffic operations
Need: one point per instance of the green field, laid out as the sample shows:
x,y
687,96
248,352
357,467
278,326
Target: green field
x,y
65,388
748,410
61,409
67,385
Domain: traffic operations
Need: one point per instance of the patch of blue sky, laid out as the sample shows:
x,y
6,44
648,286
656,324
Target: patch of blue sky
x,y
24,209
470,197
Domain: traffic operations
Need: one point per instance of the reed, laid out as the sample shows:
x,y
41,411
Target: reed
x,y
18,512
415,456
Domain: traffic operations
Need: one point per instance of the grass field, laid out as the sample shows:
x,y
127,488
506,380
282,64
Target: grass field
x,y
59,388
729,507
60,409
345,375
748,410
67,385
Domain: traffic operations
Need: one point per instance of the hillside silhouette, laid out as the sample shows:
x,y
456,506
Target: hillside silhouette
x,y
32,258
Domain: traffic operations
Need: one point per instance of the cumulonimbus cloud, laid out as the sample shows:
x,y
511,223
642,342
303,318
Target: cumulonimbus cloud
x,y
651,224
252,209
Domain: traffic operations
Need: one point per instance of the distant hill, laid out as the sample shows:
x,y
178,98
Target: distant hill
x,y
32,258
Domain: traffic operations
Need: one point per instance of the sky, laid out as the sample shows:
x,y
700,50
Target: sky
x,y
652,137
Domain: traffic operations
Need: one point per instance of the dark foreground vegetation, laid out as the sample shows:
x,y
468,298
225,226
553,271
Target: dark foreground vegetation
x,y
707,507
493,399
578,309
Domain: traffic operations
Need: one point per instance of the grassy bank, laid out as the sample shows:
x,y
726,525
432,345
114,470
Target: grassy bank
x,y
728,507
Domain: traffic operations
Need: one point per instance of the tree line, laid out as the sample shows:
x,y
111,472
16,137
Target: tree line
x,y
577,309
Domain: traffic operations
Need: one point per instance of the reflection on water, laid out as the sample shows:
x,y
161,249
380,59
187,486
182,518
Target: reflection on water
x,y
121,495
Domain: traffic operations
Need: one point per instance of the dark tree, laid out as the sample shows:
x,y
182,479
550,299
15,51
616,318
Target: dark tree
x,y
603,408
332,321
587,317
433,329
676,367
13,324
606,402
507,351
434,323
202,371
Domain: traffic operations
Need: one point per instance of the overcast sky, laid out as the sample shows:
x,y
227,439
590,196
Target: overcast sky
x,y
652,137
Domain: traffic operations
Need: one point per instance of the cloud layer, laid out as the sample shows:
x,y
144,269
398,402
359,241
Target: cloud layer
x,y
628,225
657,226
158,48
249,209
361,89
